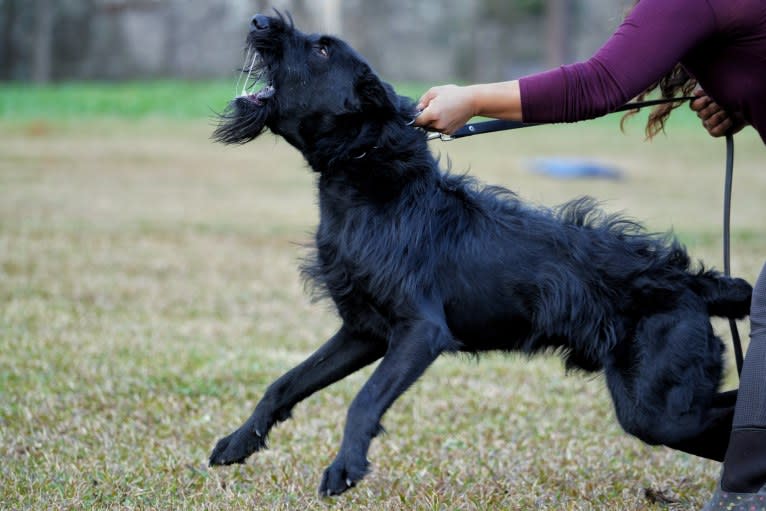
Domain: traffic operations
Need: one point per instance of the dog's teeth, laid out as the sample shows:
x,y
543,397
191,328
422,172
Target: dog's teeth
x,y
266,92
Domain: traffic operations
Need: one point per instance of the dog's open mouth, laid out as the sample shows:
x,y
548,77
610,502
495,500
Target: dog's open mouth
x,y
257,88
260,96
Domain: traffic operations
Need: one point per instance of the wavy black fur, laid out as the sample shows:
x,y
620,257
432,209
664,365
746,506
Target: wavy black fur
x,y
419,262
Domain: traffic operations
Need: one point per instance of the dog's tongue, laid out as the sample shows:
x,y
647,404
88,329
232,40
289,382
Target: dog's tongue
x,y
259,97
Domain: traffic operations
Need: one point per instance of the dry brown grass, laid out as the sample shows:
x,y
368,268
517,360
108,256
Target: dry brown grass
x,y
149,294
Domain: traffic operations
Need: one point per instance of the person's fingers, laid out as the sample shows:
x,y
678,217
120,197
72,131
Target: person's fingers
x,y
434,118
718,124
707,116
431,120
426,117
433,93
709,111
715,119
718,117
425,100
443,109
701,102
721,128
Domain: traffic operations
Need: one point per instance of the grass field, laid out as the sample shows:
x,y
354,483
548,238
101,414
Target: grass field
x,y
149,293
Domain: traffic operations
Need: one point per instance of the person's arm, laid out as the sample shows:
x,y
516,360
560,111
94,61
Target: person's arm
x,y
652,39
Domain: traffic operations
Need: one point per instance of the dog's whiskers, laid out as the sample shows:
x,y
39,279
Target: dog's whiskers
x,y
250,72
250,69
241,72
257,77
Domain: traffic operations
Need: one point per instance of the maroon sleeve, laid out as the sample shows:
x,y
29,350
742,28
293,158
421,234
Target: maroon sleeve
x,y
650,42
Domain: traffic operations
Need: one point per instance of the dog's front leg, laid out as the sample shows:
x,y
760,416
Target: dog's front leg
x,y
343,354
408,356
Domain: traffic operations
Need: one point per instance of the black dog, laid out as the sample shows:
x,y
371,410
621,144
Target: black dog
x,y
420,262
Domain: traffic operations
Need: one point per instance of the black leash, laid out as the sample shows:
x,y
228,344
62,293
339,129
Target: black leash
x,y
727,242
479,128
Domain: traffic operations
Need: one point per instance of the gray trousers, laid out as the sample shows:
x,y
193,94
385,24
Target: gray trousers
x,y
745,463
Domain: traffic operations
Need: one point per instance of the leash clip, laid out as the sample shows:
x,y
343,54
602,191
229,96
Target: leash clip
x,y
434,136
440,136
414,117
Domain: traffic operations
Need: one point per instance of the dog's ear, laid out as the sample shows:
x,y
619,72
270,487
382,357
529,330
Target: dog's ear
x,y
375,94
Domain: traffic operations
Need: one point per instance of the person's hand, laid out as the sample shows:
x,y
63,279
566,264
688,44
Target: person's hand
x,y
715,119
445,108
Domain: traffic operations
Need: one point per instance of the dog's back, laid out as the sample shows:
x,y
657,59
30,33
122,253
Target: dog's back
x,y
509,275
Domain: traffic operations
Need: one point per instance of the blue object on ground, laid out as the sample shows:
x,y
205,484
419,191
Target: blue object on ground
x,y
571,168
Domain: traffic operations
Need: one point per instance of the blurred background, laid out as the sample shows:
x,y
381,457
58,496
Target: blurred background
x,y
54,40
149,283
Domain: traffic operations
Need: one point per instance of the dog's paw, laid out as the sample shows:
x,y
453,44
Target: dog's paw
x,y
236,447
341,476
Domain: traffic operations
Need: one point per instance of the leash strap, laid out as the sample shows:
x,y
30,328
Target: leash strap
x,y
727,242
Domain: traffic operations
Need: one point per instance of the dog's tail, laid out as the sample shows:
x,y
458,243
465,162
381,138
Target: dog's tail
x,y
726,297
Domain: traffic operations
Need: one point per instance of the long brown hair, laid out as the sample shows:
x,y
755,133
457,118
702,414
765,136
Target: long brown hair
x,y
678,82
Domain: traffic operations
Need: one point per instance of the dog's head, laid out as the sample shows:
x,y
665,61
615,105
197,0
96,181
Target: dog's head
x,y
302,87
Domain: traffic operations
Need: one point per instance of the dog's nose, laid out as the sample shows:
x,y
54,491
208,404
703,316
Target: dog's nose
x,y
260,22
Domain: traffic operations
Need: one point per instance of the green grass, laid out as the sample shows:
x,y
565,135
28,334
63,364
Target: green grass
x,y
171,98
149,293
119,99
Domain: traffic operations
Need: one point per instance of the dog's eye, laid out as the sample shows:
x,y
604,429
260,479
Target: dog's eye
x,y
321,49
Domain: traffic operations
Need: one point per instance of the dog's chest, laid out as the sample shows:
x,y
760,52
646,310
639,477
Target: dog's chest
x,y
367,288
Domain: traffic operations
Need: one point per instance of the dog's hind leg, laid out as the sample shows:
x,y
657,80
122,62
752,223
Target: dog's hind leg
x,y
712,441
343,354
407,358
664,384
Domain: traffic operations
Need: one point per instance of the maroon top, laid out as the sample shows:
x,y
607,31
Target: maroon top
x,y
720,42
